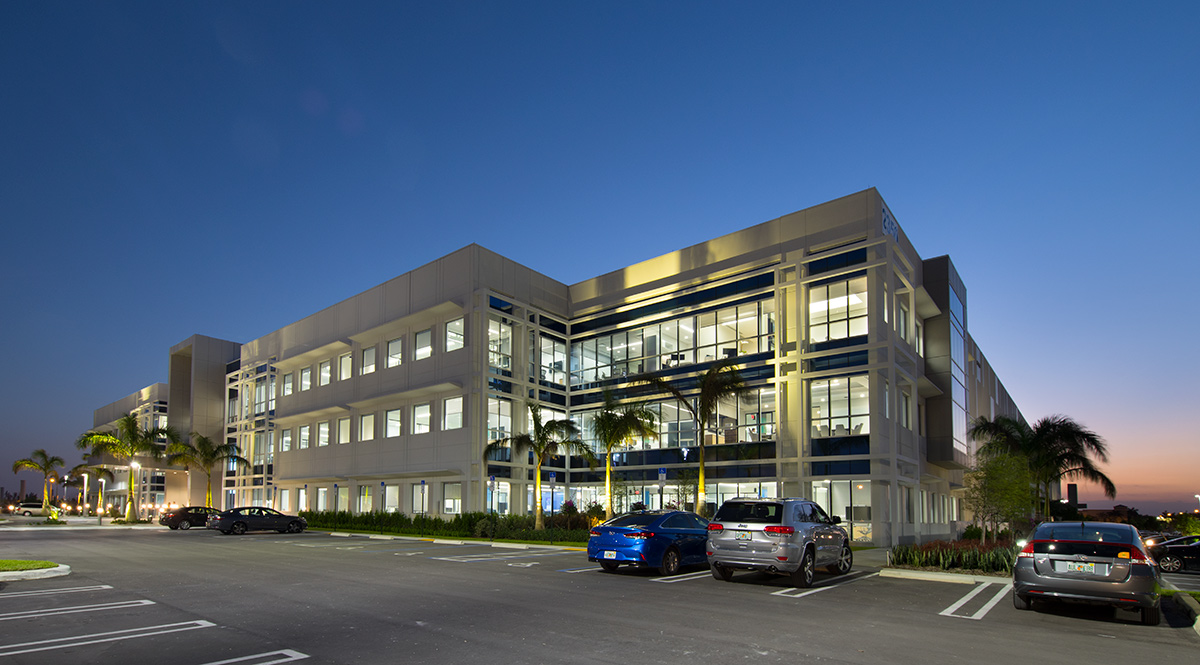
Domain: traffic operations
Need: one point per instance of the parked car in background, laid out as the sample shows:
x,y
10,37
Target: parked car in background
x,y
1087,562
186,517
661,539
1177,554
26,508
1156,538
777,536
255,518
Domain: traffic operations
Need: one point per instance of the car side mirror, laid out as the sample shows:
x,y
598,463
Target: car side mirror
x,y
835,520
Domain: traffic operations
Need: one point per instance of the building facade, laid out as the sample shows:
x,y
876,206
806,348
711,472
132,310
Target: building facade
x,y
861,369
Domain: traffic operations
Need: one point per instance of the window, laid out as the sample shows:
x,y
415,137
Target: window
x,y
343,431
424,345
421,418
905,409
391,498
343,499
344,367
452,413
902,317
322,498
451,498
368,361
420,502
306,378
455,334
285,501
499,418
287,384
366,427
302,498
324,372
285,440
840,407
392,423
500,344
323,433
302,439
395,352
364,498
837,310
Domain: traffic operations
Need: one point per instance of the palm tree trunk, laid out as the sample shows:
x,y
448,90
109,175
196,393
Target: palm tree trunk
x,y
538,524
208,490
701,496
608,511
129,497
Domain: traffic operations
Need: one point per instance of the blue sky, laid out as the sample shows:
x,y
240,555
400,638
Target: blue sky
x,y
228,168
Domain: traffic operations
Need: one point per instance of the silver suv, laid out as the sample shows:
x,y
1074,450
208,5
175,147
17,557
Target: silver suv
x,y
777,536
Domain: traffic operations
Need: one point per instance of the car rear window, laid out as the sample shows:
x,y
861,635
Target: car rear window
x,y
631,520
756,512
1074,531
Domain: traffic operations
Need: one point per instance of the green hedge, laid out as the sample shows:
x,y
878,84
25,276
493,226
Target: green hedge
x,y
957,555
466,525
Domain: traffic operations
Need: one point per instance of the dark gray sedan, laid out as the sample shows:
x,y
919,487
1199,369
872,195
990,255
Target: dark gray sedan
x,y
255,518
1087,562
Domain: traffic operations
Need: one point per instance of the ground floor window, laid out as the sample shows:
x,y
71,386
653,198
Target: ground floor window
x,y
391,498
322,498
364,498
848,499
302,499
497,497
343,499
285,503
452,498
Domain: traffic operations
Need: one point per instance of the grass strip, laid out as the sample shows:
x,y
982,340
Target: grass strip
x,y
9,565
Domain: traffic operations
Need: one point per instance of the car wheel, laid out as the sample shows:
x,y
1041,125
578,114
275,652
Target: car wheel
x,y
295,527
670,563
1020,602
1170,564
27,514
1151,616
844,562
722,573
609,566
803,577
238,528
185,525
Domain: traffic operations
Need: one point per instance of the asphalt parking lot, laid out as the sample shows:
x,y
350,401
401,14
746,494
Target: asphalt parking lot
x,y
198,597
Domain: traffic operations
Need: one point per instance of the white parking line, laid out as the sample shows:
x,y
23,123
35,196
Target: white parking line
x,y
97,638
852,577
682,578
50,592
34,614
579,570
471,558
987,607
288,656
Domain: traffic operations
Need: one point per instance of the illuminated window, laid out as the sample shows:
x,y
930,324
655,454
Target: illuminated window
x,y
837,310
366,427
451,498
455,334
368,361
392,423
285,440
302,438
287,384
421,418
344,367
424,345
323,433
324,372
395,353
840,407
452,413
306,378
343,430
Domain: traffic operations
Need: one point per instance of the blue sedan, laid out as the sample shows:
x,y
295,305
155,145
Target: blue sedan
x,y
659,539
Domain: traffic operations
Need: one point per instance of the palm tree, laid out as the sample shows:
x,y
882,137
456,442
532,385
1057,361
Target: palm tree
x,y
616,427
129,441
203,453
545,440
718,383
45,463
1055,447
80,474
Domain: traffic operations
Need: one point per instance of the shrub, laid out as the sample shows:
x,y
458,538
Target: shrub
x,y
466,525
962,554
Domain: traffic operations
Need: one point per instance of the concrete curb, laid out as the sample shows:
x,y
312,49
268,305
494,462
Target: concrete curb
x,y
934,576
1189,605
39,574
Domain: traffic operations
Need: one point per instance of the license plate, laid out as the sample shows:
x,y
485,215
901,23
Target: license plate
x,y
1079,567
609,554
742,535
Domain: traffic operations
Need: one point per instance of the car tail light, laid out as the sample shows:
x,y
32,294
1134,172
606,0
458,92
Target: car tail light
x,y
594,532
780,530
640,534
1026,552
716,526
1136,555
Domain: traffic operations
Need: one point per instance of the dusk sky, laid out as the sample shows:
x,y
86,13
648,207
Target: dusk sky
x,y
227,168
